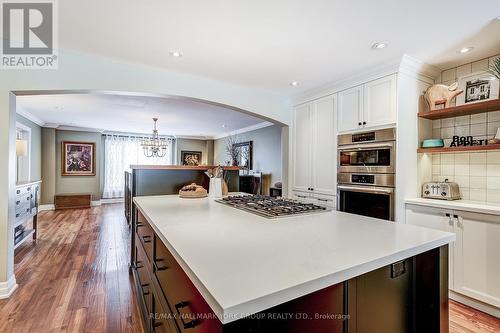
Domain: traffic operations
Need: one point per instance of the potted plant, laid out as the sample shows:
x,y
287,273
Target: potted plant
x,y
495,69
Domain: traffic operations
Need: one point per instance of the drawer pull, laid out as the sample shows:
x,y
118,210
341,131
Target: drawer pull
x,y
325,200
18,202
189,324
18,191
27,210
17,215
157,323
146,239
138,264
159,268
147,292
139,224
28,198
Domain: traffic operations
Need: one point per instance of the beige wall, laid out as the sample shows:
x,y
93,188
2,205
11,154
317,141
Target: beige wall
x,y
205,146
48,188
79,184
478,174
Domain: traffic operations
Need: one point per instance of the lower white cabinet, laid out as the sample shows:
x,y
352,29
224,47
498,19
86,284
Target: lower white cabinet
x,y
329,201
474,257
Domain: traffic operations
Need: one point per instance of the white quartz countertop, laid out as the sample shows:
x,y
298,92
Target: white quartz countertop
x,y
464,205
243,263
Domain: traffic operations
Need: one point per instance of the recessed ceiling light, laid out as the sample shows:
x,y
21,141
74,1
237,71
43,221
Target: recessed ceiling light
x,y
294,83
224,125
466,49
176,54
379,46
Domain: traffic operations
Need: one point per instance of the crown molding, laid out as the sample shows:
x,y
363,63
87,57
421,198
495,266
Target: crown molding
x,y
28,115
79,129
413,66
245,129
388,68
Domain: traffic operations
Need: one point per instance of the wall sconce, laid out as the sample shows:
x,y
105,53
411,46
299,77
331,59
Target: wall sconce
x,y
21,147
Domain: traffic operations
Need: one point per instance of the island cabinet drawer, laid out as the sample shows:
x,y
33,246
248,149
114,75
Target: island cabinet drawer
x,y
145,234
161,320
142,267
192,314
22,191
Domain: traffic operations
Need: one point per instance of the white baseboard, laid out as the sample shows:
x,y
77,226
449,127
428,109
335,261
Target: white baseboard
x,y
8,287
113,200
42,208
95,203
478,305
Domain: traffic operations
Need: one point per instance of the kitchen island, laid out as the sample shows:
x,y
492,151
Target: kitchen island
x,y
201,266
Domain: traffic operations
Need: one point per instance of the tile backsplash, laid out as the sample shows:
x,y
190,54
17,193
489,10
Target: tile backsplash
x,y
477,174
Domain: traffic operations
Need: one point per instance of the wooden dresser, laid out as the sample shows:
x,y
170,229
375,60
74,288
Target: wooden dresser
x,y
27,203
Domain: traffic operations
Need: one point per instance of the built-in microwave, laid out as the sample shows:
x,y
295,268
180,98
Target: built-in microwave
x,y
371,152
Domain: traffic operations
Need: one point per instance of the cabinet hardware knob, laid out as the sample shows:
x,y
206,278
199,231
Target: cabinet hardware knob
x,y
359,124
364,122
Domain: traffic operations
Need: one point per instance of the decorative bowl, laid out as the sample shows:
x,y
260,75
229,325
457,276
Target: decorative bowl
x,y
433,143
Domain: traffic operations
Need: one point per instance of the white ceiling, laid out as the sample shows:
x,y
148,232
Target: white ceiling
x,y
267,44
133,114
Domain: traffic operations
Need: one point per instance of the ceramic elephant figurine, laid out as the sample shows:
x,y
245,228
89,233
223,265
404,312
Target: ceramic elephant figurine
x,y
439,94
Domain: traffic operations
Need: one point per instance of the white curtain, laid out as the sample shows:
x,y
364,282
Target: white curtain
x,y
121,152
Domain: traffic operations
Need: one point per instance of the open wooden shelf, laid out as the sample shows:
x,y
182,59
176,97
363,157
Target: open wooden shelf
x,y
458,149
462,110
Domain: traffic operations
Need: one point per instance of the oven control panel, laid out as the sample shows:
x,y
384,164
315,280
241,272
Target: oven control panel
x,y
363,137
363,179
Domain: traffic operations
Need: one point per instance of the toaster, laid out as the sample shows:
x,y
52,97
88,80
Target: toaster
x,y
441,190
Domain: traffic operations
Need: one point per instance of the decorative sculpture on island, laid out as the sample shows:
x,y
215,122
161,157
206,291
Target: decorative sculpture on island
x,y
439,94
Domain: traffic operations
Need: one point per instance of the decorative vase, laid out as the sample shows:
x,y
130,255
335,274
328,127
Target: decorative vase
x,y
215,188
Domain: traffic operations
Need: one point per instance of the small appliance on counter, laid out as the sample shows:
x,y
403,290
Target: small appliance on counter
x,y
441,190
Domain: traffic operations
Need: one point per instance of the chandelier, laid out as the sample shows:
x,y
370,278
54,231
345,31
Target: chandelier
x,y
154,146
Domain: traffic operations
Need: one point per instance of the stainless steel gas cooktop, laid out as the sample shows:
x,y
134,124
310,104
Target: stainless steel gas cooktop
x,y
270,207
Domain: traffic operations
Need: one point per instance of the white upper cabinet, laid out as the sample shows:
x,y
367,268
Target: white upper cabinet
x,y
302,140
314,147
380,102
324,148
350,109
367,106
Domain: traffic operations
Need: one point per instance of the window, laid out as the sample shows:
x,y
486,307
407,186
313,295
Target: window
x,y
120,152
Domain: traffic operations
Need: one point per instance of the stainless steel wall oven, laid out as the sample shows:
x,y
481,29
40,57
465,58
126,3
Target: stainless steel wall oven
x,y
366,173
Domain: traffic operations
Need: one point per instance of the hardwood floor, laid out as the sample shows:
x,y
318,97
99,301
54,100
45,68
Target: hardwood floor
x,y
76,279
467,320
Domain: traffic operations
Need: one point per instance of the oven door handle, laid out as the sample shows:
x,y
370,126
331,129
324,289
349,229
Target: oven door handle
x,y
366,146
376,190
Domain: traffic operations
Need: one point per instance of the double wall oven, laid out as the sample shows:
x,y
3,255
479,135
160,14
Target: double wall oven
x,y
366,173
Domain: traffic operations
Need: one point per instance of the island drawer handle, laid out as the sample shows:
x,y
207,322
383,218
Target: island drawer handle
x,y
159,268
189,324
139,224
320,199
146,239
145,292
138,264
18,202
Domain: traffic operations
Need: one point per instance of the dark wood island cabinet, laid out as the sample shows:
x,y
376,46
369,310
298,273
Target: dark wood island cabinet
x,y
407,296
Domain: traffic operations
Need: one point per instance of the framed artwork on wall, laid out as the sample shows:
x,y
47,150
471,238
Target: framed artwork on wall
x,y
78,158
477,87
244,154
191,157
